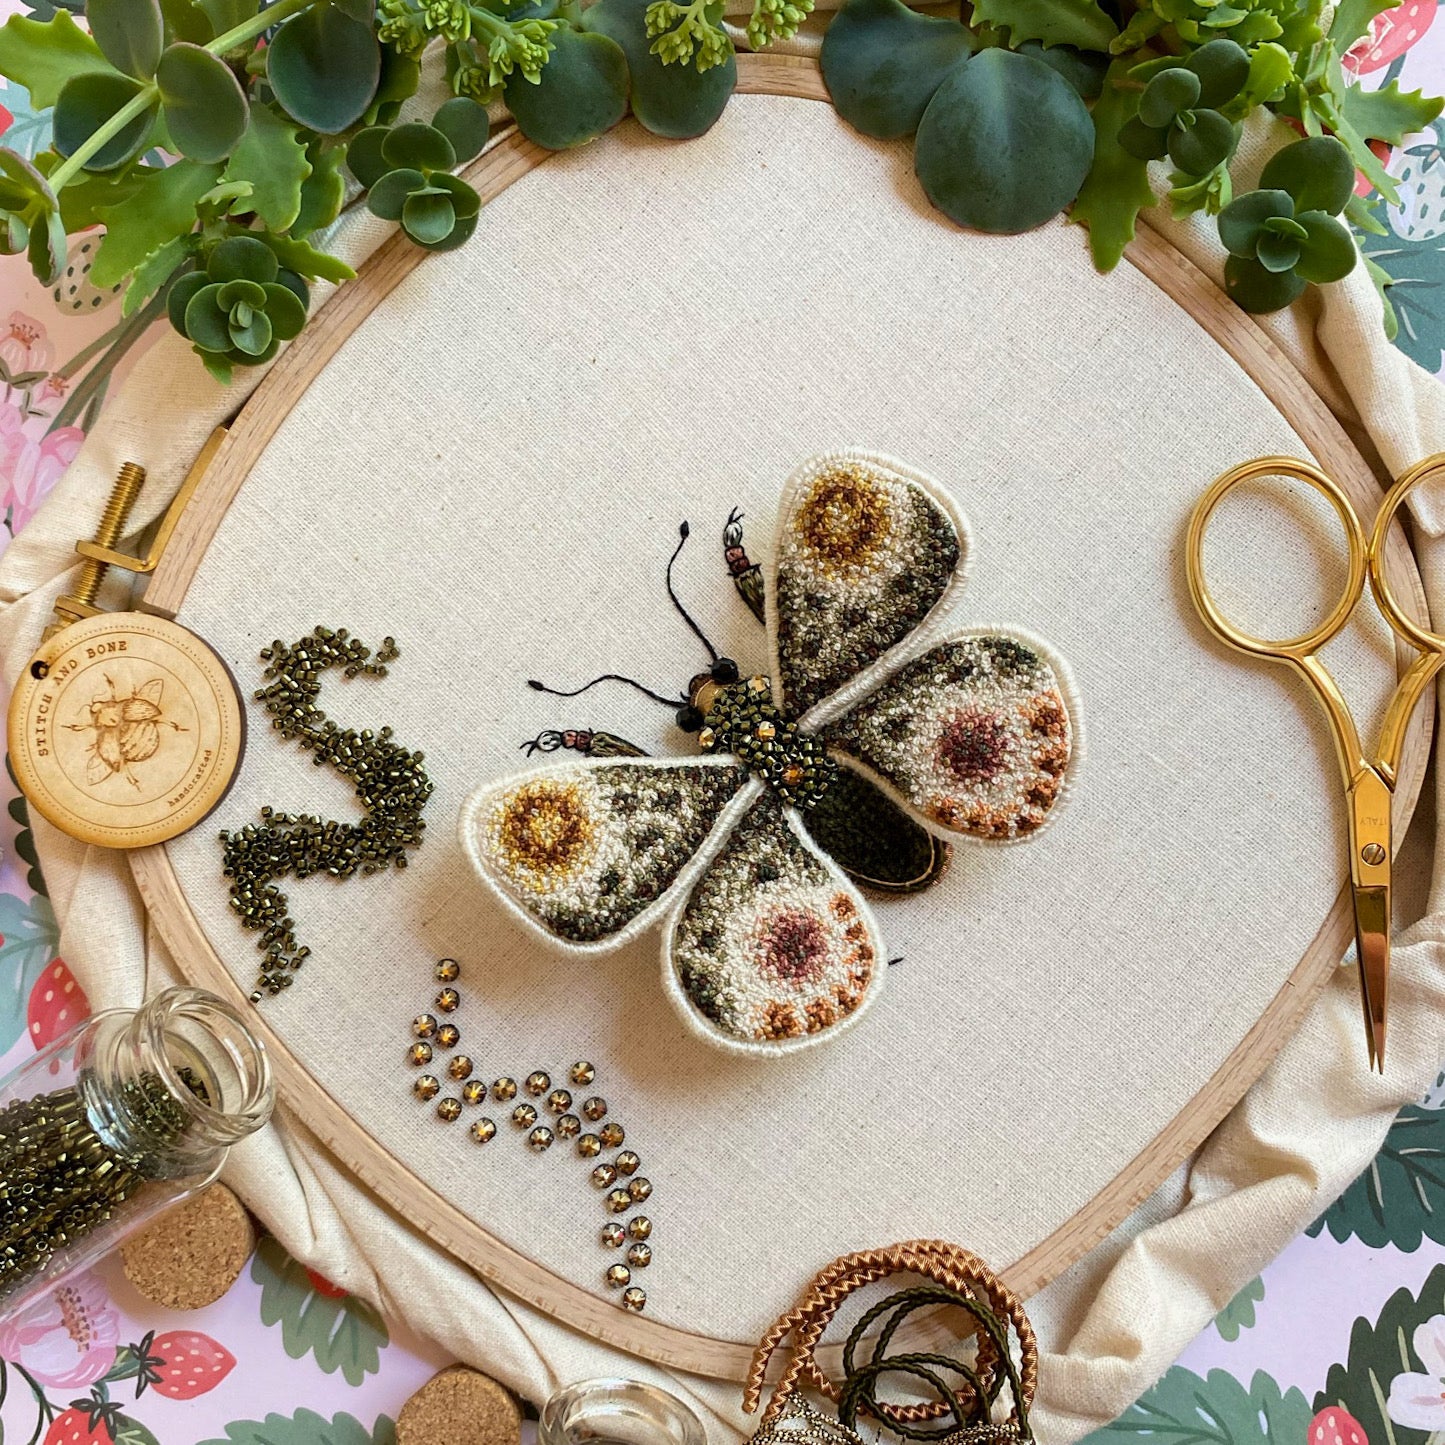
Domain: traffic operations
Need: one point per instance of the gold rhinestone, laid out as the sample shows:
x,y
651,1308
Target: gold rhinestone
x,y
766,731
460,1067
639,1189
639,1227
589,1146
448,999
483,1130
604,1176
504,1090
559,1101
538,1083
583,1073
612,1236
706,738
428,1086
594,1109
619,1202
418,1054
474,1091
540,1139
569,1126
634,1299
450,1110
640,1256
792,776
757,684
618,1276
449,1036
524,1116
627,1162
424,1026
448,970
612,1134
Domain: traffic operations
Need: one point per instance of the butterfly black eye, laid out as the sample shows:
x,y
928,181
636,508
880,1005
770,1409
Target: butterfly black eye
x,y
724,671
689,719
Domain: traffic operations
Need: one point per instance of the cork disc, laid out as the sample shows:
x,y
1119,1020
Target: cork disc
x,y
459,1406
193,1253
125,730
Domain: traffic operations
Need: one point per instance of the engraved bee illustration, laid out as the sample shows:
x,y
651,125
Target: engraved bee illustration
x,y
125,730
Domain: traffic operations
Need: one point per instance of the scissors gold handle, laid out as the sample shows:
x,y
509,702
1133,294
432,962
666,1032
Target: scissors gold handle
x,y
1369,780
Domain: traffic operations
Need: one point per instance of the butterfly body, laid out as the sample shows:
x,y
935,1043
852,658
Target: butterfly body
x,y
855,759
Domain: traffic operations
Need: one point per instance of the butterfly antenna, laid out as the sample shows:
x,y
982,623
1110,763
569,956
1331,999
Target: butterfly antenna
x,y
605,677
682,535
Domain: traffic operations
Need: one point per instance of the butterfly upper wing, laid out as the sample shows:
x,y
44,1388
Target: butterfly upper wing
x,y
587,850
976,735
866,549
774,949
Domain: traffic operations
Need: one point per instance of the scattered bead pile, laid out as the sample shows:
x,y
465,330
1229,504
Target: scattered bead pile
x,y
390,782
631,1187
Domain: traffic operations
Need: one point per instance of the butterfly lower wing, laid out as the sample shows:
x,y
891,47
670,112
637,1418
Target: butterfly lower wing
x,y
588,851
874,841
866,549
774,949
975,735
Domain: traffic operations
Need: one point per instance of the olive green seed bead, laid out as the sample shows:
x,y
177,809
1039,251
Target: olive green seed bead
x,y
589,1146
448,970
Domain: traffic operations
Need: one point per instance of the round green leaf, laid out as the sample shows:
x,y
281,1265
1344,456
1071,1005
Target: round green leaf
x,y
1327,251
1167,94
46,248
242,258
1286,226
324,68
363,155
427,216
1317,172
130,33
1222,67
207,322
1004,144
251,335
581,92
1241,221
180,296
461,233
286,310
1083,69
85,103
20,173
1276,252
389,194
203,104
296,286
241,292
1256,290
1143,142
465,201
421,147
14,235
669,100
1199,140
465,124
882,63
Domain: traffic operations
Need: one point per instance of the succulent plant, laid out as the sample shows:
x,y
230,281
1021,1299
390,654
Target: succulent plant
x,y
1179,110
407,170
1285,235
240,308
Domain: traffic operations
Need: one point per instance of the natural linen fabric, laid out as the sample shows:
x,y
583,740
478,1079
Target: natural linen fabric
x,y
790,171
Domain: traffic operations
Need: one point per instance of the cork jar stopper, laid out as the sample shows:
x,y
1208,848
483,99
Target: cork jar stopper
x,y
193,1253
460,1406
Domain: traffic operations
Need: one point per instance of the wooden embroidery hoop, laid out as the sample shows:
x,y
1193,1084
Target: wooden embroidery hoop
x,y
452,1230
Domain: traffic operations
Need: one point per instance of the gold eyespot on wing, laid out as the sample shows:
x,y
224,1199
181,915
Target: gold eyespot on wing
x,y
774,949
585,849
975,735
864,554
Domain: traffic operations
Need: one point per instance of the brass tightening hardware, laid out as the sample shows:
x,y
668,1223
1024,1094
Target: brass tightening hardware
x,y
81,603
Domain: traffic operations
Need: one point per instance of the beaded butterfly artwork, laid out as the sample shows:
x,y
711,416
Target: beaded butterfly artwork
x,y
869,747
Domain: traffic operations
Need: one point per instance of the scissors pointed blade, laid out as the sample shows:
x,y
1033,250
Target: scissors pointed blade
x,y
1372,950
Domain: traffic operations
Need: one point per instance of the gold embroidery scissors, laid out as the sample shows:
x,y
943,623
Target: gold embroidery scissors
x,y
1369,780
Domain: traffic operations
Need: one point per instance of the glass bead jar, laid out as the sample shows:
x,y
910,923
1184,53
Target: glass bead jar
x,y
128,1113
617,1412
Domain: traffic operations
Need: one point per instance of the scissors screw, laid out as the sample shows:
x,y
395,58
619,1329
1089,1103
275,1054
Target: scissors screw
x,y
1373,853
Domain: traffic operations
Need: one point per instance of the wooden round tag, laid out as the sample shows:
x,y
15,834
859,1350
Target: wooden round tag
x,y
125,730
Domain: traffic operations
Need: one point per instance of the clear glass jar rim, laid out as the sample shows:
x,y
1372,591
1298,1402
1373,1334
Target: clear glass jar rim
x,y
587,1401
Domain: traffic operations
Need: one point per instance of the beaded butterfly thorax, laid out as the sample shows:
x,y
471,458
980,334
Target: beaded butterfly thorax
x,y
854,761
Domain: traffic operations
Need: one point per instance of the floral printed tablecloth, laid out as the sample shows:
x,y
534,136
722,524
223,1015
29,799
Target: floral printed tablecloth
x,y
1340,1342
